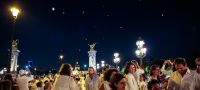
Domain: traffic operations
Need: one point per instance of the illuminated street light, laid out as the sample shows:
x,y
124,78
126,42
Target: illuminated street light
x,y
102,63
85,66
15,11
116,54
141,50
98,66
116,59
61,57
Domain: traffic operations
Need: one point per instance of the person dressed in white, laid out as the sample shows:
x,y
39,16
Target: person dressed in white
x,y
139,71
92,81
22,80
196,81
107,78
131,81
182,78
64,81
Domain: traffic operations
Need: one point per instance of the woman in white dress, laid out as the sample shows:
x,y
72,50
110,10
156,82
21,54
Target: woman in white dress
x,y
131,80
64,81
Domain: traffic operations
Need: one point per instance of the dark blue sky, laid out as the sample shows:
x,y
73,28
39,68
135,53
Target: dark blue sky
x,y
170,28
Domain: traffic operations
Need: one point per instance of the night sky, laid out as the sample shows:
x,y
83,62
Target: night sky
x,y
47,28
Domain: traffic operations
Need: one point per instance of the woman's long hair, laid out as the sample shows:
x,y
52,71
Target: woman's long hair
x,y
115,79
128,66
65,69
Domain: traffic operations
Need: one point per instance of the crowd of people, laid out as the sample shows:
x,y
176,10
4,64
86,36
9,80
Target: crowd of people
x,y
174,75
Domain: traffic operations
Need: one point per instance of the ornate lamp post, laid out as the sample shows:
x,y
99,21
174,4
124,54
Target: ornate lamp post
x,y
141,50
102,63
116,59
15,12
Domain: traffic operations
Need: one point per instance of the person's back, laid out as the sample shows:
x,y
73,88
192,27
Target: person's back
x,y
64,82
22,82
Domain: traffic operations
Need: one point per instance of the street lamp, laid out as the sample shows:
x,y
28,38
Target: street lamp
x,y
61,57
116,59
85,66
15,11
98,66
102,63
141,50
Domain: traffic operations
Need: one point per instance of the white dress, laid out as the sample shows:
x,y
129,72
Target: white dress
x,y
64,82
131,82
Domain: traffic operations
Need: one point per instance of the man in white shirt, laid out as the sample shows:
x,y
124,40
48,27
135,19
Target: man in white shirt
x,y
92,81
181,79
22,80
196,81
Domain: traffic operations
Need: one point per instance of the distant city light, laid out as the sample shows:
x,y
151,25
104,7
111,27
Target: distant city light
x,y
26,67
15,12
98,66
102,63
85,65
53,8
61,56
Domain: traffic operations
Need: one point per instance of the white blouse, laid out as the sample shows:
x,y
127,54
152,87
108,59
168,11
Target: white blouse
x,y
65,83
131,82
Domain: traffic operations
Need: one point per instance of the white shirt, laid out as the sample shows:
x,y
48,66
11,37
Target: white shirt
x,y
92,83
131,82
64,82
177,82
196,81
22,82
